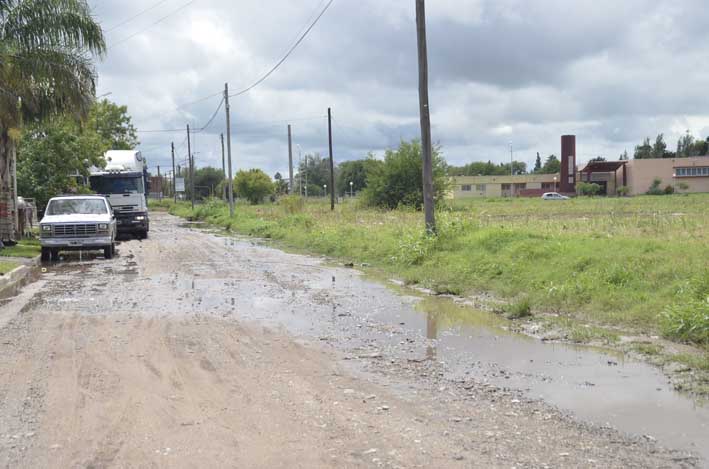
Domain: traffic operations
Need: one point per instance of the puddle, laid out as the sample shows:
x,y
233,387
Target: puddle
x,y
208,275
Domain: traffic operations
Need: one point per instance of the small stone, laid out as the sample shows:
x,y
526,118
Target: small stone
x,y
348,391
458,457
370,451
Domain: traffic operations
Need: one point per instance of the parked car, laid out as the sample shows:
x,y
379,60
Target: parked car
x,y
77,222
553,196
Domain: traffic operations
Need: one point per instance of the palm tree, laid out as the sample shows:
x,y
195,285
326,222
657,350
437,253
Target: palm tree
x,y
46,67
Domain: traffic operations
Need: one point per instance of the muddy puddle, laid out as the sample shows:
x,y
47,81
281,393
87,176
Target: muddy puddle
x,y
229,278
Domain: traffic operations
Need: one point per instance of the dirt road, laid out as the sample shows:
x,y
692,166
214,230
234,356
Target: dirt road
x,y
190,350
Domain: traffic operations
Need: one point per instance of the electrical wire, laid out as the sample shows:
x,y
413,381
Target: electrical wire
x,y
160,20
285,57
209,122
128,20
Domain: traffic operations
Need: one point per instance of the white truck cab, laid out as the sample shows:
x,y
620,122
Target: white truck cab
x,y
124,183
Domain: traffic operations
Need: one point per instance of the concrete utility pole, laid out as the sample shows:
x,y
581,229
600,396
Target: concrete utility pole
x,y
159,188
191,161
228,149
290,162
332,162
425,115
174,185
512,161
221,137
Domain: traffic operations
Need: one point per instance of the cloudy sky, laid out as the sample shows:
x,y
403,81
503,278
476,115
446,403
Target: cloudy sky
x,y
520,71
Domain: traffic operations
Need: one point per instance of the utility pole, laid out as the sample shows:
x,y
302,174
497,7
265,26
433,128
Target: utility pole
x,y
174,185
290,161
512,161
332,162
221,137
159,188
425,115
228,147
191,161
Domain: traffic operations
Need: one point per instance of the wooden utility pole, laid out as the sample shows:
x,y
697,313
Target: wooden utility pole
x,y
221,137
332,162
290,161
228,149
174,186
159,188
425,115
191,161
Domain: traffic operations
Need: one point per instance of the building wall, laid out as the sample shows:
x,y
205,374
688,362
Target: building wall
x,y
641,174
499,186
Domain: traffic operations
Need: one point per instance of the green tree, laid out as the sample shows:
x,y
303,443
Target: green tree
x,y
624,156
356,172
644,150
54,156
659,149
314,171
552,165
206,183
538,164
481,168
399,181
280,185
114,125
46,51
254,185
685,146
597,159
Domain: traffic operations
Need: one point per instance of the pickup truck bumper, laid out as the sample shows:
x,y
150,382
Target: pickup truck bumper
x,y
95,242
132,222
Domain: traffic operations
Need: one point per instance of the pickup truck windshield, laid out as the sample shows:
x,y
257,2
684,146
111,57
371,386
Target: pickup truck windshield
x,y
77,206
116,185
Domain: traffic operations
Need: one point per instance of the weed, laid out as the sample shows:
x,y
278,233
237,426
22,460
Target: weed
x,y
519,309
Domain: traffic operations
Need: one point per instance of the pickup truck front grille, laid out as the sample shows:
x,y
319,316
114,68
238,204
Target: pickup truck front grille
x,y
75,231
125,208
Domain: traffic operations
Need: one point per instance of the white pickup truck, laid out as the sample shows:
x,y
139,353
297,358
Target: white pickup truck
x,y
72,223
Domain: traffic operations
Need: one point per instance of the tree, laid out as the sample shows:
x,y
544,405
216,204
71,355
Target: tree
x,y
113,124
315,172
480,168
538,164
46,47
624,156
399,180
552,165
685,146
206,182
597,159
356,172
54,156
644,150
280,186
659,149
254,185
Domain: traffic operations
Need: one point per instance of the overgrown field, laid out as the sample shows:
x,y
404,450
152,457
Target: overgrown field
x,y
639,263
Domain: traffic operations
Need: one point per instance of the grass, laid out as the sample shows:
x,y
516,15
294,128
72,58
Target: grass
x,y
639,263
24,248
6,267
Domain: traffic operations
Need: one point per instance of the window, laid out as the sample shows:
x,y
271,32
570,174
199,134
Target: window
x,y
466,188
693,171
480,187
548,186
77,206
505,187
520,186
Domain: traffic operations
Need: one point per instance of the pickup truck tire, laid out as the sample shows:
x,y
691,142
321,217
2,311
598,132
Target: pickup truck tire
x,y
54,254
46,255
108,251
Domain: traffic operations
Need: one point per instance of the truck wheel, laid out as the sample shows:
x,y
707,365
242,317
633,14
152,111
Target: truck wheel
x,y
108,252
54,254
46,255
113,248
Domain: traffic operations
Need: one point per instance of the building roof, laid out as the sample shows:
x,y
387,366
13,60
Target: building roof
x,y
603,166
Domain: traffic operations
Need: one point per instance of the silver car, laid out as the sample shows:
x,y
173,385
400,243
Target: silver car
x,y
81,222
554,196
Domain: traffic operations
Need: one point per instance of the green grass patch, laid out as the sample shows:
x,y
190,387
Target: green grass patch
x,y
632,263
519,309
25,248
6,267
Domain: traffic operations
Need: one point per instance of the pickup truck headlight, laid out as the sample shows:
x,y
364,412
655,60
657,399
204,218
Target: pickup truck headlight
x,y
140,218
46,228
102,226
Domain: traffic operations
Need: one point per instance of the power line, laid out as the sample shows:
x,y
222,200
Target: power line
x,y
290,51
209,122
128,20
160,20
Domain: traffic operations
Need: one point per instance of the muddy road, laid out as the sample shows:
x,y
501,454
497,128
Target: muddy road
x,y
194,350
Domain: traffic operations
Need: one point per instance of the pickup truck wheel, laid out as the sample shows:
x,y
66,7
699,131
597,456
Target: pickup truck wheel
x,y
108,252
46,255
54,254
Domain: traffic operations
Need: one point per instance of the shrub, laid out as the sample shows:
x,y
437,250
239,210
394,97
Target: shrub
x,y
588,188
683,186
253,185
292,204
669,189
622,191
399,181
655,188
687,321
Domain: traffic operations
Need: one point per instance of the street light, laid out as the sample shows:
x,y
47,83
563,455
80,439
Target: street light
x,y
351,192
324,187
554,183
